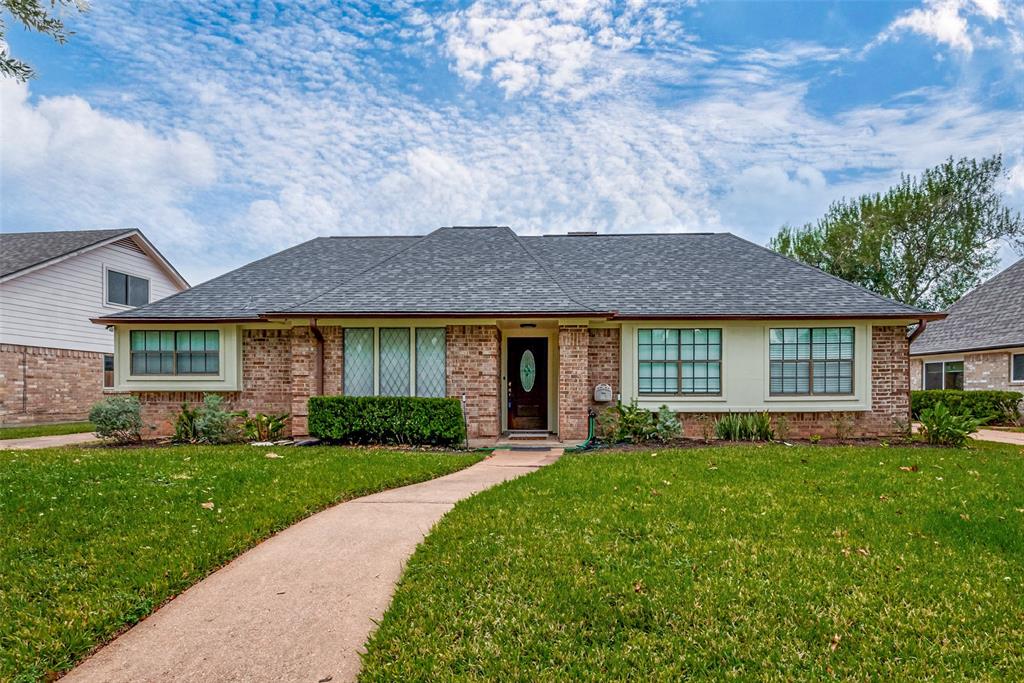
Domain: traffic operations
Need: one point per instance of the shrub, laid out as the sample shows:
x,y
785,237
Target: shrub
x,y
745,427
707,426
782,427
209,423
185,428
942,427
983,406
118,418
263,427
667,426
214,423
387,420
842,425
628,422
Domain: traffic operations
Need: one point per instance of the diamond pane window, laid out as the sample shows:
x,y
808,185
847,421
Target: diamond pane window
x,y
430,362
358,361
675,361
809,361
394,361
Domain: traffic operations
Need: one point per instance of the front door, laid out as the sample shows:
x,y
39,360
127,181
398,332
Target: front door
x,y
527,374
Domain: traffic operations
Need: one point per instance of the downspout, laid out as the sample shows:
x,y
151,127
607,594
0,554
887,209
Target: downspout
x,y
319,335
921,324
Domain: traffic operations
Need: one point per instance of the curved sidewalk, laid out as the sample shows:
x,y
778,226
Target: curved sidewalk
x,y
300,606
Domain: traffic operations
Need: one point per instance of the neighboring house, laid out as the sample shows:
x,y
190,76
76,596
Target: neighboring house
x,y
980,345
54,362
525,329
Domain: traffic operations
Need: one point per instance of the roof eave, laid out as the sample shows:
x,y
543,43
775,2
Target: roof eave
x,y
971,349
785,316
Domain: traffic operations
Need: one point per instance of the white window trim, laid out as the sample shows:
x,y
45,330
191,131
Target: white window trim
x,y
107,303
228,377
1012,379
924,371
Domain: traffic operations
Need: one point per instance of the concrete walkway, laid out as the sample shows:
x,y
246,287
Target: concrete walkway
x,y
300,606
999,436
34,442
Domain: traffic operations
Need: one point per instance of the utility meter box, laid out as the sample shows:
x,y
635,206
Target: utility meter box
x,y
603,393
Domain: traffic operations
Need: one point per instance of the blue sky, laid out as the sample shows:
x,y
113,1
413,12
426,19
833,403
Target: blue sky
x,y
228,130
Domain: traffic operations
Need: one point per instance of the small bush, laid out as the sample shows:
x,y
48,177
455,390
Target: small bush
x,y
185,428
782,427
984,406
628,422
745,427
118,418
387,420
707,426
263,427
842,425
941,427
668,426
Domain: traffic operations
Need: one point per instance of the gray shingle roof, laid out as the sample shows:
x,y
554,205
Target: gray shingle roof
x,y
22,250
989,316
492,270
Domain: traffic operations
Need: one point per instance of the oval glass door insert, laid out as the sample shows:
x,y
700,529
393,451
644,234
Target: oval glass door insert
x,y
527,370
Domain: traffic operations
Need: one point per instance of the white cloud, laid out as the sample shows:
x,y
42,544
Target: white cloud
x,y
954,23
67,165
561,48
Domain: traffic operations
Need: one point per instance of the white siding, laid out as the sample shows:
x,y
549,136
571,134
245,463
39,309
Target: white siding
x,y
51,307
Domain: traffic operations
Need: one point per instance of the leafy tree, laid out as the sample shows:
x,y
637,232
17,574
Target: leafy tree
x,y
925,242
34,15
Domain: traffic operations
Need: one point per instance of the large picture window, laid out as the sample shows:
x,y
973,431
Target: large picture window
x,y
680,361
386,355
175,352
947,374
810,360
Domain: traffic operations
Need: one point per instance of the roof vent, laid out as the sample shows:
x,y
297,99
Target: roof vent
x,y
582,233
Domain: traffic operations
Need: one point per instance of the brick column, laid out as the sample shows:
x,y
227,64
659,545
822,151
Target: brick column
x,y
304,378
472,367
334,360
890,379
573,381
604,360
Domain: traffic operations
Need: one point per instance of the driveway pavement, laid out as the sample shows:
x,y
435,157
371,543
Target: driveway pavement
x,y
48,441
300,606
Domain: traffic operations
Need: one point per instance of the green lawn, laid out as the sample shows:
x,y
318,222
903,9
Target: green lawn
x,y
754,563
45,430
95,539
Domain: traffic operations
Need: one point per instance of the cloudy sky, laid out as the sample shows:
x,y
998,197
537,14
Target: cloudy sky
x,y
229,130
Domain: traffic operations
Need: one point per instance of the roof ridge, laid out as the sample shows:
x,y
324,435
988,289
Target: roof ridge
x,y
364,270
827,274
986,283
548,272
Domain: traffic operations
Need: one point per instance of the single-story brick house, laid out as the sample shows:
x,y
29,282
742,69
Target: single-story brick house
x,y
525,329
980,345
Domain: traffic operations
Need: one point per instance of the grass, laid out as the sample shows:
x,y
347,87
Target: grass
x,y
750,562
95,539
45,430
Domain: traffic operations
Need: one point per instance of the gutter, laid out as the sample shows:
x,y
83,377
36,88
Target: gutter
x,y
318,333
921,324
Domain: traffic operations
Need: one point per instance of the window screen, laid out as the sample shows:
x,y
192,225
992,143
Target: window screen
x,y
127,290
1017,370
933,375
953,375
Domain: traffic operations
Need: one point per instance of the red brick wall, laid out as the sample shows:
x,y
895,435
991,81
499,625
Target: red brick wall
x,y
890,396
574,392
334,360
266,384
48,385
472,369
605,360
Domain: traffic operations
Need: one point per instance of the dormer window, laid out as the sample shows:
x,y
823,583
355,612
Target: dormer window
x,y
126,290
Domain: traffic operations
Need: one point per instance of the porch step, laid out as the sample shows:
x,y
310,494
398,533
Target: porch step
x,y
525,435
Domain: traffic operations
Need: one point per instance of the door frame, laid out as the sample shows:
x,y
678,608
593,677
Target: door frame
x,y
543,333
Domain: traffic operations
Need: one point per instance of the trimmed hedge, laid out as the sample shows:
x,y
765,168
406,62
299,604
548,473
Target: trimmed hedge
x,y
984,406
387,420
